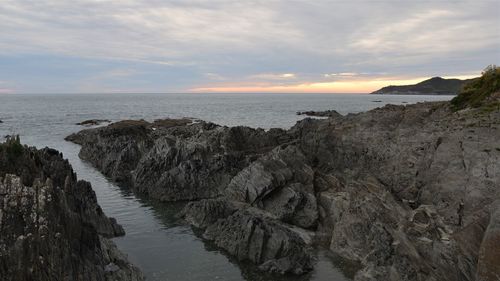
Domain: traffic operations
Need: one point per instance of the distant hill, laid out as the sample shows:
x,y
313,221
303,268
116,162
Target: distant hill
x,y
433,86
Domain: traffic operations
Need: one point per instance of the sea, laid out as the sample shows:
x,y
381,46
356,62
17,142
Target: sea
x,y
161,245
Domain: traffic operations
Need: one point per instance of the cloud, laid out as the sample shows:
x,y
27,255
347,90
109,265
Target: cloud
x,y
429,34
342,74
139,30
273,76
214,76
193,43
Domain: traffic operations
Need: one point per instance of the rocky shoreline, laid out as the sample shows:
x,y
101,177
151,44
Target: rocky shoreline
x,y
51,225
383,188
409,192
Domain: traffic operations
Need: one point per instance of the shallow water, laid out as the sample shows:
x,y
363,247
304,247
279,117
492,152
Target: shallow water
x,y
164,247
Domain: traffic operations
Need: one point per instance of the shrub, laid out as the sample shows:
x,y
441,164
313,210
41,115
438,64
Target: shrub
x,y
477,92
13,147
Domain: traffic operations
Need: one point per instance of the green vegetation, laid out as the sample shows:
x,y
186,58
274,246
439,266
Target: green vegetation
x,y
13,148
481,92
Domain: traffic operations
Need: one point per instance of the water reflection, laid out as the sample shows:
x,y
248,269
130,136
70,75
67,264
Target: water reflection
x,y
327,265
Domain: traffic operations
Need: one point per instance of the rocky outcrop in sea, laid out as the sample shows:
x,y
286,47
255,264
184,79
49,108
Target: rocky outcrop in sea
x,y
409,192
326,113
93,122
51,227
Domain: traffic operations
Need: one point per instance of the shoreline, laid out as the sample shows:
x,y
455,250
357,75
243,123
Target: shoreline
x,y
138,133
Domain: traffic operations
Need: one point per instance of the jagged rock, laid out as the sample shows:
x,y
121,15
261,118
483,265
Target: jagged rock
x,y
175,162
206,212
489,254
281,183
411,157
51,225
405,191
251,235
272,246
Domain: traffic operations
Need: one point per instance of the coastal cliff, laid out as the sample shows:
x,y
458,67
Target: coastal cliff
x,y
51,227
409,192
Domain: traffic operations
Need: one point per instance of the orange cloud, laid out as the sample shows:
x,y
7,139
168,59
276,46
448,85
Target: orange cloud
x,y
344,86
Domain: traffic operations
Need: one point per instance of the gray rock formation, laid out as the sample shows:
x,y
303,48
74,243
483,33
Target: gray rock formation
x,y
391,182
195,160
489,253
51,227
406,191
326,113
93,122
248,235
251,234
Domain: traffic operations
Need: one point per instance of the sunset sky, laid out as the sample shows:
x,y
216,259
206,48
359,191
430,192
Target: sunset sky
x,y
322,46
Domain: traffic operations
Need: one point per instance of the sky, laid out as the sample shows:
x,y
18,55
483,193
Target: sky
x,y
303,46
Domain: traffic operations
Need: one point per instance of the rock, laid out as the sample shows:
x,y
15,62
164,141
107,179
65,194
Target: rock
x,y
52,226
261,240
488,268
281,183
326,113
406,191
194,161
93,122
250,234
206,212
411,157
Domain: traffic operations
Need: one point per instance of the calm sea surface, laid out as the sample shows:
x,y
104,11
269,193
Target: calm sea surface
x,y
161,245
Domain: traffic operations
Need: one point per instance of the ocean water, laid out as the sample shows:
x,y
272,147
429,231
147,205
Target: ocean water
x,y
164,247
